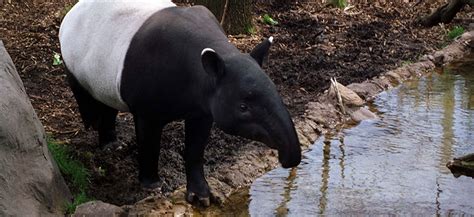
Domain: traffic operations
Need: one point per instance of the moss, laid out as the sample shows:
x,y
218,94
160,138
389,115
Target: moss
x,y
250,30
455,32
338,3
73,171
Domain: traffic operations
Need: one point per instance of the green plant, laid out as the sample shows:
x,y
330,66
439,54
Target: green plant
x,y
250,30
57,59
338,3
269,20
73,171
406,62
79,199
68,7
455,32
101,171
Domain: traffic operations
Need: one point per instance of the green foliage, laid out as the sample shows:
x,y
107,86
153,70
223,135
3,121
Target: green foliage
x,y
406,62
269,20
338,3
101,171
68,7
455,32
57,59
79,199
73,171
250,30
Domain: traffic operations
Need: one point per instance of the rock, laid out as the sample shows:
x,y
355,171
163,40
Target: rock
x,y
382,82
396,78
471,27
455,51
98,209
30,181
220,191
439,58
306,132
462,166
157,205
349,97
467,35
365,90
402,73
302,138
362,114
323,113
427,57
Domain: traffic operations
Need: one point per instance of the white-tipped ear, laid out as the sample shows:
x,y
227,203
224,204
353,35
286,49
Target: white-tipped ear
x,y
212,63
261,51
207,50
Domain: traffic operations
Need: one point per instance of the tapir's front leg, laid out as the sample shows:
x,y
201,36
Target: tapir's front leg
x,y
148,131
197,133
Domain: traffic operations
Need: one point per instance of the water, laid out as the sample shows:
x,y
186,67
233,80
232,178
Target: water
x,y
394,165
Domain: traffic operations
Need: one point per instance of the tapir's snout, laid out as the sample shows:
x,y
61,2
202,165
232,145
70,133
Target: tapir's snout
x,y
289,151
282,137
278,134
288,160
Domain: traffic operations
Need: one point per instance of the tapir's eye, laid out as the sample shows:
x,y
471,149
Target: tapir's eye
x,y
243,107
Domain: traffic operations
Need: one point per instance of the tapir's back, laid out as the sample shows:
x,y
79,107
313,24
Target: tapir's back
x,y
95,36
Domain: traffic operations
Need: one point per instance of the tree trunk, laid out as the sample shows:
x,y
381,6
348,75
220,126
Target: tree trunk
x,y
238,16
445,13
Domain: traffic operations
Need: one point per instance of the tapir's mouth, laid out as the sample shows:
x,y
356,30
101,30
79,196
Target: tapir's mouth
x,y
289,163
289,150
289,155
288,160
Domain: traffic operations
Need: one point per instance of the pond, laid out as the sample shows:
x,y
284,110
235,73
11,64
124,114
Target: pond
x,y
393,165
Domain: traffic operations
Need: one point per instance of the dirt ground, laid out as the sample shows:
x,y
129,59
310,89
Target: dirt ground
x,y
312,44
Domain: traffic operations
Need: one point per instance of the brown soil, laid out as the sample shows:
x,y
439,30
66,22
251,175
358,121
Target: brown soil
x,y
312,44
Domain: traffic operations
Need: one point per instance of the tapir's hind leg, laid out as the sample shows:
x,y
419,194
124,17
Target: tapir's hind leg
x,y
94,113
148,130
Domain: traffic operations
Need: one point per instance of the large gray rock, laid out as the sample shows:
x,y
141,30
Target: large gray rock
x,y
98,209
30,181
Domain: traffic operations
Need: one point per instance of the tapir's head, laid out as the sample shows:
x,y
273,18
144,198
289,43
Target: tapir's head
x,y
245,102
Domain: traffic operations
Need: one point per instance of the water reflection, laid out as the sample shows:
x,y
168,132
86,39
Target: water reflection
x,y
449,102
282,209
394,165
324,176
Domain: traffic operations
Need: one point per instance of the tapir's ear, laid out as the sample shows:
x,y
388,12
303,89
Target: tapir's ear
x,y
212,62
261,51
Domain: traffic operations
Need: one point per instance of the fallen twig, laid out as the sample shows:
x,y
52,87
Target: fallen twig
x,y
340,103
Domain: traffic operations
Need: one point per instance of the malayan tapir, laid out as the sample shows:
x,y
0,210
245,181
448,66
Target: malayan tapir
x,y
164,63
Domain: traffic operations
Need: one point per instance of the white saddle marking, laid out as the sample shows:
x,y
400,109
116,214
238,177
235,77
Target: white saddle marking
x,y
95,36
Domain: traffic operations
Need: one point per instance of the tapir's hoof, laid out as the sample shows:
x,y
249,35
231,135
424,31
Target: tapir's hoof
x,y
192,198
113,146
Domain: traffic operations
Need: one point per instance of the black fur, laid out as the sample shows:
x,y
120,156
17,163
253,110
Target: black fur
x,y
165,78
94,113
